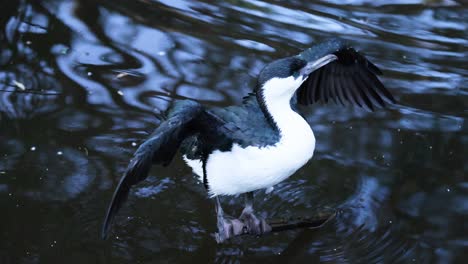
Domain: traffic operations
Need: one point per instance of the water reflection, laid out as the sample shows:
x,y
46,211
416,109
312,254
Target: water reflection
x,y
83,82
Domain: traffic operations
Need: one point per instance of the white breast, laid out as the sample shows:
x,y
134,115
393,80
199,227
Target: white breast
x,y
247,169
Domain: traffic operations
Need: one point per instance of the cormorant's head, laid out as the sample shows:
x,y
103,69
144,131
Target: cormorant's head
x,y
283,77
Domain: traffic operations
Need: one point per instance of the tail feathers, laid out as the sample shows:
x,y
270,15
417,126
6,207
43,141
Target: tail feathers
x,y
160,148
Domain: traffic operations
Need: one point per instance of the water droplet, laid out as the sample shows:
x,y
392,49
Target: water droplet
x,y
398,130
90,73
351,127
390,221
28,42
134,144
161,53
60,153
33,148
430,147
448,190
120,92
10,194
404,56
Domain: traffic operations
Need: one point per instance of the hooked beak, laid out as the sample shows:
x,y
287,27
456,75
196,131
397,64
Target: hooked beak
x,y
314,65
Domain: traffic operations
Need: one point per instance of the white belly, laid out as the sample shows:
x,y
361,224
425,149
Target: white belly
x,y
247,169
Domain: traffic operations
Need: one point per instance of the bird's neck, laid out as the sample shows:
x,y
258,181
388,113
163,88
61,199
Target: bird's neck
x,y
278,111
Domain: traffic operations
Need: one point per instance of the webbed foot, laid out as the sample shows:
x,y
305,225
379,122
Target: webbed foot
x,y
255,225
229,227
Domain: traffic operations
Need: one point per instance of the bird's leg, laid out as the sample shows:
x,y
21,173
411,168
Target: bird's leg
x,y
227,226
255,225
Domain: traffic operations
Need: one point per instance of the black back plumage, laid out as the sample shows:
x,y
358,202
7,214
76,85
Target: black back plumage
x,y
220,128
245,124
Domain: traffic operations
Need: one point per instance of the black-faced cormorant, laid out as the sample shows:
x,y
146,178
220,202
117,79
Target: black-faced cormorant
x,y
264,140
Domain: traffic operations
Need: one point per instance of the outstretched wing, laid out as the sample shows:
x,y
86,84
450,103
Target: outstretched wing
x,y
349,79
159,148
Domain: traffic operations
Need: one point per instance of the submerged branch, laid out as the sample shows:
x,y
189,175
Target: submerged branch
x,y
300,222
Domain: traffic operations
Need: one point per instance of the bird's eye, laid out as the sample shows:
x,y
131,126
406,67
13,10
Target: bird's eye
x,y
296,66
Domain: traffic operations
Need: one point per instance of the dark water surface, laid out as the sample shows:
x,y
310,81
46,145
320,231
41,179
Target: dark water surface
x,y
80,82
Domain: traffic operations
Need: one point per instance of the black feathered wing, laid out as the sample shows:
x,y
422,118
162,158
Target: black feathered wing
x,y
349,79
244,125
159,148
